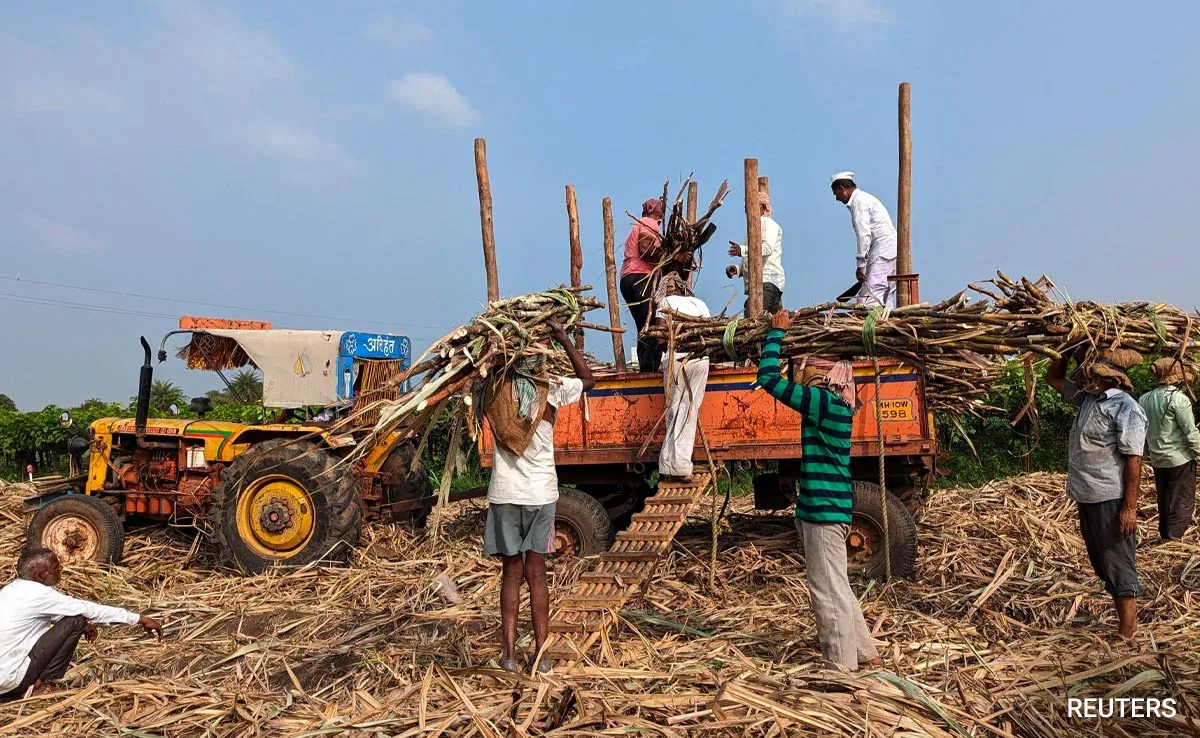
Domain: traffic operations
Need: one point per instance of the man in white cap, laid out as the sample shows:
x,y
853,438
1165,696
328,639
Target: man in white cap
x,y
876,241
772,257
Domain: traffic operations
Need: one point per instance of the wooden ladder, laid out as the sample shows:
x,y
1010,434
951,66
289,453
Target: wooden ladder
x,y
591,606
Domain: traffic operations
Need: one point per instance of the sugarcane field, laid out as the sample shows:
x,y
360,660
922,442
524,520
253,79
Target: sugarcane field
x,y
598,456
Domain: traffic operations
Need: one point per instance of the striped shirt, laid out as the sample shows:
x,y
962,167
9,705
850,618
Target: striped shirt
x,y
826,490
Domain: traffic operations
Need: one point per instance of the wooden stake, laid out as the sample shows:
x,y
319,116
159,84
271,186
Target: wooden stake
x,y
904,198
753,241
693,195
485,220
576,251
764,185
610,273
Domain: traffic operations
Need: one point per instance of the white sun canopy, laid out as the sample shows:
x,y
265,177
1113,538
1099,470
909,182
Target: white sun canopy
x,y
299,367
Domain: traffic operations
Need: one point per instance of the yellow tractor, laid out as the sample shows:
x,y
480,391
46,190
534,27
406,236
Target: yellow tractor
x,y
277,493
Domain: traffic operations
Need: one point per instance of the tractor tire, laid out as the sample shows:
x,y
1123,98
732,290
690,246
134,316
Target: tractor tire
x,y
581,525
285,503
864,545
78,527
407,481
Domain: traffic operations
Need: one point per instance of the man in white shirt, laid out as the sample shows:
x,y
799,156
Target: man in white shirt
x,y
772,256
876,257
521,497
40,626
684,378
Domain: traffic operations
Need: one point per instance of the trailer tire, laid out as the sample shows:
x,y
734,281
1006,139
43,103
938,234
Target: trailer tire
x,y
864,545
581,525
407,481
285,502
78,527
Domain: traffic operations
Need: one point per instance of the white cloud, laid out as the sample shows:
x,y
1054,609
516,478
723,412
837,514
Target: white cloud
x,y
433,95
393,31
61,238
845,15
304,157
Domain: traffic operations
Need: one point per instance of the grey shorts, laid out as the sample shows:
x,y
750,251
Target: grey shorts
x,y
515,529
1110,553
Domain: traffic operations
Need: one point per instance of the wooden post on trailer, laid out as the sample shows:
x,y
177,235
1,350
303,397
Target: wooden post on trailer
x,y
610,275
753,241
485,220
904,265
576,252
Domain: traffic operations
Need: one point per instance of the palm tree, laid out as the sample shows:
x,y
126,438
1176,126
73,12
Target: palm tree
x,y
246,387
163,394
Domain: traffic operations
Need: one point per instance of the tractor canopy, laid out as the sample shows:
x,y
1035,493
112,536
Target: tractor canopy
x,y
300,368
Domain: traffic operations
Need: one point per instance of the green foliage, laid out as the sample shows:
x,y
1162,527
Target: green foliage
x,y
7,404
246,387
163,394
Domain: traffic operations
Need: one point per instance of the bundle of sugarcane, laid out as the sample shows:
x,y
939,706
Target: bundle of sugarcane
x,y
679,238
455,368
960,346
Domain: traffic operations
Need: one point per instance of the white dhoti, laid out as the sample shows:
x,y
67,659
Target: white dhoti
x,y
878,289
685,381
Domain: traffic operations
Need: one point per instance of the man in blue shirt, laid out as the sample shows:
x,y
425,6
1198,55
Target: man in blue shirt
x,y
1104,469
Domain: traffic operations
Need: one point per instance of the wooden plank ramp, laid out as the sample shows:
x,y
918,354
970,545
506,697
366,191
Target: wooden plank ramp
x,y
590,607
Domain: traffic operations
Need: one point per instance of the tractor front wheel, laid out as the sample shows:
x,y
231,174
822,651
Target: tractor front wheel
x,y
78,527
285,502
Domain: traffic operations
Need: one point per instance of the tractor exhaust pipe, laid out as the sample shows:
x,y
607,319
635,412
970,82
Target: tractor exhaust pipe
x,y
143,397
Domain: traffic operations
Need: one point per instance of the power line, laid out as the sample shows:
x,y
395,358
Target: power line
x,y
217,305
108,309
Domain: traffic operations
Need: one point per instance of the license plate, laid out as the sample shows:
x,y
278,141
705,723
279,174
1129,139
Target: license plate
x,y
895,410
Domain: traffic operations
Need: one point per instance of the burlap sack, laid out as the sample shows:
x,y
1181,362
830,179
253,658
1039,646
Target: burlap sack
x,y
1110,364
512,432
1173,371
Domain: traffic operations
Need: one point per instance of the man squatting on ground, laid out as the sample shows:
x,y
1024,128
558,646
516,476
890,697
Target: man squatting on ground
x,y
523,488
642,251
826,495
1172,445
40,626
684,378
1104,469
772,257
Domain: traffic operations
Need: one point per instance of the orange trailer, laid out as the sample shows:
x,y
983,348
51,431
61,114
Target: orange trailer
x,y
609,458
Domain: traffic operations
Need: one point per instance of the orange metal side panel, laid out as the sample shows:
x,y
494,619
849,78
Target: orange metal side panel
x,y
195,323
740,421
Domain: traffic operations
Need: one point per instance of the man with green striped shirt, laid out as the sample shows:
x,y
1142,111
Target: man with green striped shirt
x,y
825,498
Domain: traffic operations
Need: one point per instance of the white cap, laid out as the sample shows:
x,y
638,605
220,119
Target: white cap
x,y
842,175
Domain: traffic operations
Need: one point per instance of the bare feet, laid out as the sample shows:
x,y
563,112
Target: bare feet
x,y
875,663
39,688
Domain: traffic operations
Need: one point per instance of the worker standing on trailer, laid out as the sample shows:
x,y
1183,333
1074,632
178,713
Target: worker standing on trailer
x,y
523,488
772,257
40,626
825,499
684,377
1172,445
643,249
1104,469
876,255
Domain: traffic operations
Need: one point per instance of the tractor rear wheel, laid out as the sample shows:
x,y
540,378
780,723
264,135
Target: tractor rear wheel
x,y
865,550
285,502
78,527
581,525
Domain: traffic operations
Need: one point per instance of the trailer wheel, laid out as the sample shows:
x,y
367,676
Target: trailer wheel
x,y
581,525
79,527
285,502
406,481
864,544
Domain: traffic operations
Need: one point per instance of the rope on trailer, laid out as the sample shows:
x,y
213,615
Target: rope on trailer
x,y
887,543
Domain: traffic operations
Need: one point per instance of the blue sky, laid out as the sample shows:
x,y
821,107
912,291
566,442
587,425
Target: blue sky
x,y
316,158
